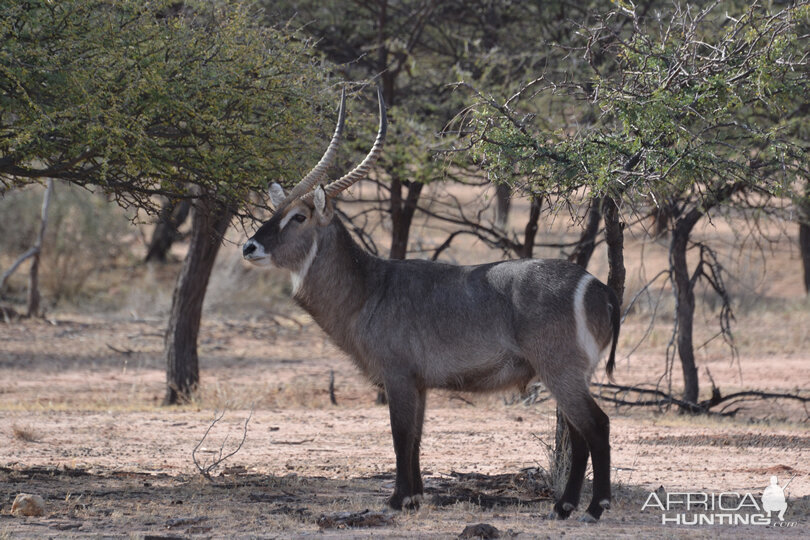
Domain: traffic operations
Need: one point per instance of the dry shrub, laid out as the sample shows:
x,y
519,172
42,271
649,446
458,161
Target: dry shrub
x,y
559,468
86,233
25,433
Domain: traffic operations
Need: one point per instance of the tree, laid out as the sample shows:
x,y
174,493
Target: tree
x,y
143,99
34,254
704,99
209,221
689,112
171,216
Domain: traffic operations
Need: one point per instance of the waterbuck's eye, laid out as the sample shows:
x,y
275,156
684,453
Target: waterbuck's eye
x,y
300,218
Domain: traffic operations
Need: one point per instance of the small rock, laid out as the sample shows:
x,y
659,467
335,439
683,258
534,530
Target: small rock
x,y
28,505
482,530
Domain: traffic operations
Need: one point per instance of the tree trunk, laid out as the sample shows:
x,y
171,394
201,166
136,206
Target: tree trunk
x,y
587,242
503,200
530,231
661,218
804,249
614,237
685,302
804,236
684,285
33,287
208,224
561,467
172,215
402,212
33,275
382,397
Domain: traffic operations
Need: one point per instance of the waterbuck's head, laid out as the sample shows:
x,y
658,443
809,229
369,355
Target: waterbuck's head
x,y
289,239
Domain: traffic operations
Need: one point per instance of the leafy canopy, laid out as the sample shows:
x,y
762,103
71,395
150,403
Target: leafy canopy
x,y
145,97
693,98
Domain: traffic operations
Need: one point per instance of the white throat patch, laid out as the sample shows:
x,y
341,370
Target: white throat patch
x,y
299,275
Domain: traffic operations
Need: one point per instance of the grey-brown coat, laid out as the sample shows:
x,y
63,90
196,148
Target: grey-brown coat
x,y
413,325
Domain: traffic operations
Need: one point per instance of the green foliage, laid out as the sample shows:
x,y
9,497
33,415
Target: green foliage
x,y
669,104
418,49
140,98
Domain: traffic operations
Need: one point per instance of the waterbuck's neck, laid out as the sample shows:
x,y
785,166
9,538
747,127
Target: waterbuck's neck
x,y
338,282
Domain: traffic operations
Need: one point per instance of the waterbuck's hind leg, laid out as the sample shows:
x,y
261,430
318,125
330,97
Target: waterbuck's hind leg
x,y
591,425
599,443
403,406
573,487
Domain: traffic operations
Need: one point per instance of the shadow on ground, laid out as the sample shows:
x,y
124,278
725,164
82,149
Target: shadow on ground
x,y
242,504
102,501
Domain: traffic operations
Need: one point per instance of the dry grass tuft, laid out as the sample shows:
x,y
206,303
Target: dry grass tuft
x,y
559,467
25,433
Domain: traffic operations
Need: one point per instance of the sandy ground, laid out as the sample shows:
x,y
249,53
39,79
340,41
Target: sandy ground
x,y
81,425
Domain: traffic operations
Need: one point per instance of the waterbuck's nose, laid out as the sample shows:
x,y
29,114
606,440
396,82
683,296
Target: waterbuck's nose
x,y
248,248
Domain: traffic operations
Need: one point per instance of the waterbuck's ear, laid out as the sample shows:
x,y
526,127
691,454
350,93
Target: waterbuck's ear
x,y
323,211
276,194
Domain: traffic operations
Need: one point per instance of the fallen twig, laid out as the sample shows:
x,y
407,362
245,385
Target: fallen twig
x,y
460,398
206,470
610,392
125,351
302,441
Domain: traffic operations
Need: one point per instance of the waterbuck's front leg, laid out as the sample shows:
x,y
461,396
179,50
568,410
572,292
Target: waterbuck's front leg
x,y
598,442
406,408
416,470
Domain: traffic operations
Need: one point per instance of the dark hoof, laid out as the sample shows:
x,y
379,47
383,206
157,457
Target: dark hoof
x,y
413,502
587,518
561,510
594,511
395,502
398,502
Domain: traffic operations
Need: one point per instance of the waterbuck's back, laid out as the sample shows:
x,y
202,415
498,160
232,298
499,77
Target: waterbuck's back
x,y
473,327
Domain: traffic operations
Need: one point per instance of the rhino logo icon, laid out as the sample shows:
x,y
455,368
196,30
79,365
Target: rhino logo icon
x,y
773,499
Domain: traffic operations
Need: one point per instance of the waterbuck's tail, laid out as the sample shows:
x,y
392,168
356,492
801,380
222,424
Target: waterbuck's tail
x,y
616,319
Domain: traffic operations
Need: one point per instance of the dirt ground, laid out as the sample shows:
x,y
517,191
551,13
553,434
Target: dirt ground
x,y
81,426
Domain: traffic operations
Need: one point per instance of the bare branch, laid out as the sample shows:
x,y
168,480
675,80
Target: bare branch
x,y
207,468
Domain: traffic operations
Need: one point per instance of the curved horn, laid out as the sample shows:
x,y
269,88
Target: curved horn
x,y
361,171
318,172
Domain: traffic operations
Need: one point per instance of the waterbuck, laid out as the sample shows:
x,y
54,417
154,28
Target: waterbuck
x,y
412,325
